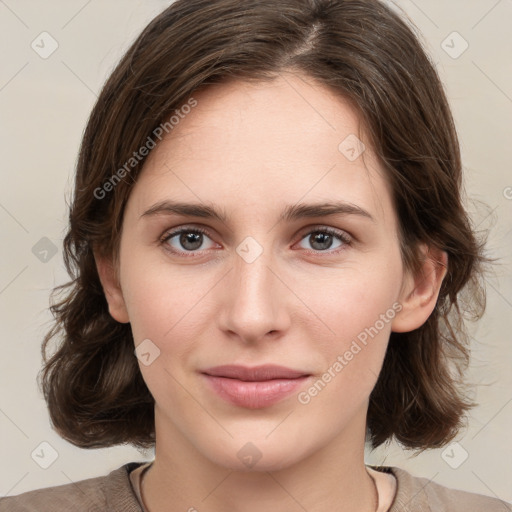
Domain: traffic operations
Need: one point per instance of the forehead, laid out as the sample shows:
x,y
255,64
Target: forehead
x,y
266,143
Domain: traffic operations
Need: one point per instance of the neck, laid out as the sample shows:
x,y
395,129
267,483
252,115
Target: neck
x,y
333,477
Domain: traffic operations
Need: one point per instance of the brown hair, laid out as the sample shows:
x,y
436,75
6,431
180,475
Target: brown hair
x,y
369,55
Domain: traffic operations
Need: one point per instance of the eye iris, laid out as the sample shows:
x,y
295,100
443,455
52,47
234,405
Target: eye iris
x,y
324,239
194,238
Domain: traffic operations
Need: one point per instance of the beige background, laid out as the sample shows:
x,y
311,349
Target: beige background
x,y
44,105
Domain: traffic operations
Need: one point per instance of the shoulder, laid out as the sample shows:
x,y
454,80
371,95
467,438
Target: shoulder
x,y
422,495
105,493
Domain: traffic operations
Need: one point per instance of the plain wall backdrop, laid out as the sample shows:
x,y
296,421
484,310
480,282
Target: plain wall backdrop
x,y
56,56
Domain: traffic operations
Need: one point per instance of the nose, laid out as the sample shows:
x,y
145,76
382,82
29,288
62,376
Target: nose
x,y
255,302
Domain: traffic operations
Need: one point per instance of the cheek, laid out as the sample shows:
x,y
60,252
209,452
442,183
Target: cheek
x,y
356,309
165,307
352,356
353,299
161,299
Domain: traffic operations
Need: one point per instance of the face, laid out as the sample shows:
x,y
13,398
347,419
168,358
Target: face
x,y
274,279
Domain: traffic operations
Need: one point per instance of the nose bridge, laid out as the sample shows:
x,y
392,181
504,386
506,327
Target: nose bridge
x,y
254,305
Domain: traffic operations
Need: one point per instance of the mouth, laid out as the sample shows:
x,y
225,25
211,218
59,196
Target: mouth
x,y
257,373
256,387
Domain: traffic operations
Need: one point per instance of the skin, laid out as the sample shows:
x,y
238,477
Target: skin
x,y
249,150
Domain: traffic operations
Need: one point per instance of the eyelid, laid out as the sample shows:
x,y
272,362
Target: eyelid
x,y
332,230
170,233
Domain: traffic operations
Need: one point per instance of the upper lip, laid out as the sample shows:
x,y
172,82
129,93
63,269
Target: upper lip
x,y
256,373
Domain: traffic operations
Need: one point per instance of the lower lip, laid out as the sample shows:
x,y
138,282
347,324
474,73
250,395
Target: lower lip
x,y
254,395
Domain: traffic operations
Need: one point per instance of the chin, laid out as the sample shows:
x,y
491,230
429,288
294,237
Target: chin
x,y
254,456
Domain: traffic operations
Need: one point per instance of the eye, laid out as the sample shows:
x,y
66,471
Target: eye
x,y
322,239
185,240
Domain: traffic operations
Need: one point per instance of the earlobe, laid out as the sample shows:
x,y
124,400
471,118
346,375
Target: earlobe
x,y
419,294
111,289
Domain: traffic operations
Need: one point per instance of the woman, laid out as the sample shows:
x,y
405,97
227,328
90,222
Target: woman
x,y
267,246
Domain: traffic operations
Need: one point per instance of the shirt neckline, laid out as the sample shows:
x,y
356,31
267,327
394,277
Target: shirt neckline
x,y
385,482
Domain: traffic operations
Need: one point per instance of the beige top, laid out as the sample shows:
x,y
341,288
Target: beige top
x,y
116,493
384,482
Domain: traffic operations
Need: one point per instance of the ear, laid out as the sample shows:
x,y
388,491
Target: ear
x,y
419,293
111,288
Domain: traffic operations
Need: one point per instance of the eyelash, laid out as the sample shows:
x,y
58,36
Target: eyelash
x,y
341,236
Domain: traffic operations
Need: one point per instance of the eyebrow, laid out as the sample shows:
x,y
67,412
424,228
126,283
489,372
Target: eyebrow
x,y
290,212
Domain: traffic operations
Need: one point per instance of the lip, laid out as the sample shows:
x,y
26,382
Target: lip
x,y
255,373
255,387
